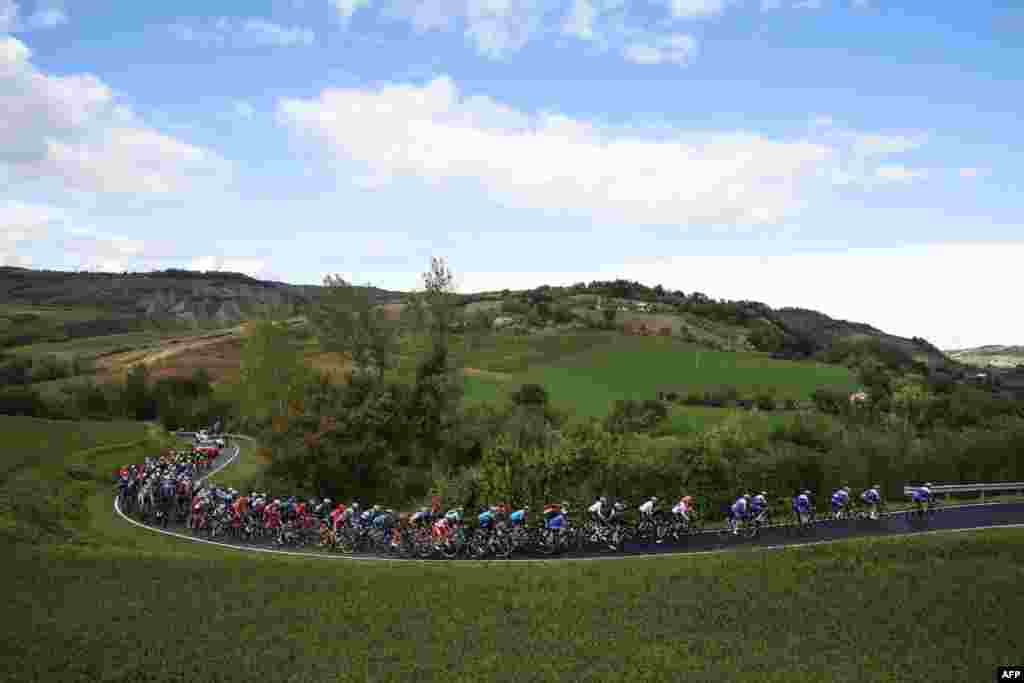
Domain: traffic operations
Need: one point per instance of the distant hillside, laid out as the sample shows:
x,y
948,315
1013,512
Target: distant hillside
x,y
38,305
825,331
176,295
993,354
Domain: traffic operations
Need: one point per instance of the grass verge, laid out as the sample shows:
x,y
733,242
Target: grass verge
x,y
132,605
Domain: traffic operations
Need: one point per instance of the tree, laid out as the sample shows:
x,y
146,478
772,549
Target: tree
x,y
440,300
609,315
347,321
136,400
272,371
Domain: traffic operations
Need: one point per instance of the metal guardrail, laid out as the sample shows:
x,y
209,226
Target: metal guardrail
x,y
949,489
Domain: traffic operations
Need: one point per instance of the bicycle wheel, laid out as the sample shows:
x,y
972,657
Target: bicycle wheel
x,y
547,544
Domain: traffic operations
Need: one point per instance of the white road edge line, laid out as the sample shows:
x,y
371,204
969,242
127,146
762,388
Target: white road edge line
x,y
321,556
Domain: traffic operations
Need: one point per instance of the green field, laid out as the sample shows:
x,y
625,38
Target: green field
x,y
126,604
49,468
93,347
588,372
684,419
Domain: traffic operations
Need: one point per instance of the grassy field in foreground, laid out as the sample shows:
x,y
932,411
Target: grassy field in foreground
x,y
126,604
49,468
590,377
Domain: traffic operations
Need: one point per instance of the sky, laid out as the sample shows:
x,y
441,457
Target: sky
x,y
857,157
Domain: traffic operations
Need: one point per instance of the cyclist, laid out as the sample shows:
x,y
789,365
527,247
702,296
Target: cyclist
x,y
682,509
487,519
872,497
555,516
421,517
739,512
518,518
647,509
922,497
337,518
803,507
600,511
759,507
840,499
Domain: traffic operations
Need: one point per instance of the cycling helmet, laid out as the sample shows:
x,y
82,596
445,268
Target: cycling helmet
x,y
746,496
604,500
807,493
764,493
277,501
620,507
327,501
928,484
654,499
376,508
846,488
876,486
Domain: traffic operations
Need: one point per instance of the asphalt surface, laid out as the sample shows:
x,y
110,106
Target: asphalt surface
x,y
951,518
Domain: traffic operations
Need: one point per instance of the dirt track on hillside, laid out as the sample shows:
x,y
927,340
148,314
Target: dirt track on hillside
x,y
220,356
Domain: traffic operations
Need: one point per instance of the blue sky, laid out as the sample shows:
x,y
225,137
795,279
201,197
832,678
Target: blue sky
x,y
860,157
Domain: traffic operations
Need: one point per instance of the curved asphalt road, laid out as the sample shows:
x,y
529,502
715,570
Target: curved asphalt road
x,y
948,519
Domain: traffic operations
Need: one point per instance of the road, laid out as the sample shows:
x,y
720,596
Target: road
x,y
948,519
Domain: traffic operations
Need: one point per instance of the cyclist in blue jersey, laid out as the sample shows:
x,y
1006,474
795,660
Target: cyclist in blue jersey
x,y
759,507
421,517
487,519
555,516
803,507
518,518
739,512
872,497
922,497
840,499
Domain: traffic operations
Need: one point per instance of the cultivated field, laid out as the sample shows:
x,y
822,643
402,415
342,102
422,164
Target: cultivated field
x,y
589,371
125,604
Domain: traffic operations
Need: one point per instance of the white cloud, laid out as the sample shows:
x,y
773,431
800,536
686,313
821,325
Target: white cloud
x,y
690,9
266,33
807,4
973,172
346,8
248,266
674,49
243,110
21,225
8,16
900,174
72,128
580,20
498,28
243,33
906,291
768,5
549,161
48,14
